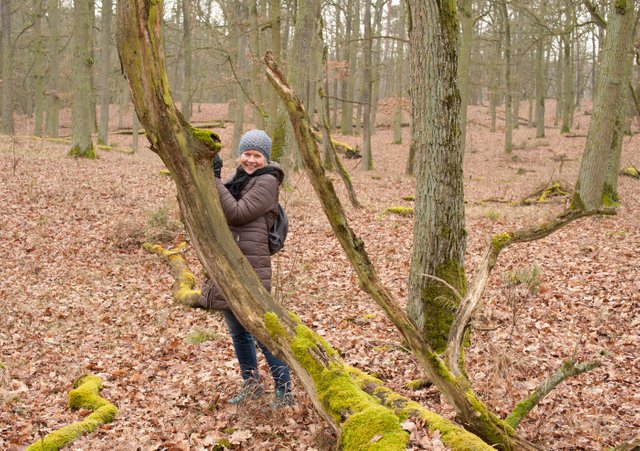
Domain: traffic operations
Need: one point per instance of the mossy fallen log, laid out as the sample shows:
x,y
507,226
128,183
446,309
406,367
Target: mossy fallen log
x,y
84,395
67,141
551,190
345,149
400,211
184,290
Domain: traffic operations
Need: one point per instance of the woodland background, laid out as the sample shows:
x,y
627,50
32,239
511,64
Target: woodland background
x,y
79,295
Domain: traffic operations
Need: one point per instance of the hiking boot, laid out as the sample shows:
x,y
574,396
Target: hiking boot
x,y
250,391
282,399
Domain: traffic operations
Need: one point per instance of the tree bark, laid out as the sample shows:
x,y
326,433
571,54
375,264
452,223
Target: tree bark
x,y
82,120
104,69
539,68
53,98
187,56
7,68
508,94
439,237
38,68
591,191
367,157
464,66
397,115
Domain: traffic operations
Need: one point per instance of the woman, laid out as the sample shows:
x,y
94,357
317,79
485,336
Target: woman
x,y
250,204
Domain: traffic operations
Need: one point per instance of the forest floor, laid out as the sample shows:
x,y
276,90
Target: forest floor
x,y
79,295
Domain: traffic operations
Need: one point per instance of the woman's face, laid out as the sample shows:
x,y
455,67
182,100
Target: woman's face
x,y
252,160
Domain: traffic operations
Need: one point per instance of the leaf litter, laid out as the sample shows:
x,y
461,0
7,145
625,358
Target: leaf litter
x,y
80,296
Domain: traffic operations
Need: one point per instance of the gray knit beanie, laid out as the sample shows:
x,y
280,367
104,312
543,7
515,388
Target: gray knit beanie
x,y
255,140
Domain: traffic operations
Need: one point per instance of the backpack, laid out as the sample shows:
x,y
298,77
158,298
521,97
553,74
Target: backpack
x,y
278,231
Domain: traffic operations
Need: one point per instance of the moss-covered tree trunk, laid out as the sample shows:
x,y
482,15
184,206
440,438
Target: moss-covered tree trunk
x,y
439,233
82,120
187,154
591,191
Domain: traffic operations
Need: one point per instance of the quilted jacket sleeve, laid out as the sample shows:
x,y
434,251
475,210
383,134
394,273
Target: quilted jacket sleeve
x,y
257,201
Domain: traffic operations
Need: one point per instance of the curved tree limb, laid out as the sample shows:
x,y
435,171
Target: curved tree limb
x,y
568,369
184,290
481,277
475,415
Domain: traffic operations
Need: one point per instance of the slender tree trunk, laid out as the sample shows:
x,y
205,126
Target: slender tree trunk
x,y
464,66
495,80
376,64
568,105
559,85
399,65
82,120
239,64
367,159
540,79
346,124
258,114
105,70
187,51
53,98
508,95
592,191
336,80
302,60
7,68
38,68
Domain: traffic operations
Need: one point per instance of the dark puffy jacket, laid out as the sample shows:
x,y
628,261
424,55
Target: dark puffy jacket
x,y
249,219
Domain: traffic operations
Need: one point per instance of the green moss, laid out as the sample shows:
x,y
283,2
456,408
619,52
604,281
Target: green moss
x,y
306,346
165,172
208,138
521,410
492,423
85,395
274,326
409,198
501,240
440,303
610,196
621,6
3,366
402,211
452,436
375,428
89,153
418,384
552,190
631,172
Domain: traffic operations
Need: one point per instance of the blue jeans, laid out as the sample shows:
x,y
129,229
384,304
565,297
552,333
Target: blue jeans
x,y
245,348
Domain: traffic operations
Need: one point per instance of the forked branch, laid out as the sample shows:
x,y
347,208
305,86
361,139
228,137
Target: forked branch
x,y
498,242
